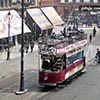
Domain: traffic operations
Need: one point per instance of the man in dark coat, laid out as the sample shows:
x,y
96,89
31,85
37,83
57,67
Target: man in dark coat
x,y
90,37
94,31
98,55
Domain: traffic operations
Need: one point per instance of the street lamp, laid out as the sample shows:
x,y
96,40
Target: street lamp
x,y
22,90
8,47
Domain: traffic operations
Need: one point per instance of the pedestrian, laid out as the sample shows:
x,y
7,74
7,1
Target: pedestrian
x,y
53,35
27,46
94,31
97,56
32,45
90,38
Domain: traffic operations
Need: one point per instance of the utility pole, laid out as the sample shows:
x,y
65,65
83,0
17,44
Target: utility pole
x,y
22,89
8,47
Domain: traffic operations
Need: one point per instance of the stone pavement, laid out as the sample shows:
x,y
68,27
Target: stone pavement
x,y
12,66
14,52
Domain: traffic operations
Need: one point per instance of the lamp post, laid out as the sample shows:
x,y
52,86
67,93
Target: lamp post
x,y
22,90
8,47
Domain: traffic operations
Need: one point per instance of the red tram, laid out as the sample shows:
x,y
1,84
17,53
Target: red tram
x,y
61,58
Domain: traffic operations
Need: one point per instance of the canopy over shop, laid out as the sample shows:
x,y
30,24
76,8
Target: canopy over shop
x,y
15,24
11,28
46,18
52,15
39,18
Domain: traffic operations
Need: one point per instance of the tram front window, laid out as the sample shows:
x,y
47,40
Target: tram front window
x,y
50,65
45,64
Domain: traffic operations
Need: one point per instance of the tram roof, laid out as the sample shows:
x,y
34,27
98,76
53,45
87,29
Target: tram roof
x,y
61,45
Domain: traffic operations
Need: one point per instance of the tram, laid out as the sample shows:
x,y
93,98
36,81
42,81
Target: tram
x,y
61,58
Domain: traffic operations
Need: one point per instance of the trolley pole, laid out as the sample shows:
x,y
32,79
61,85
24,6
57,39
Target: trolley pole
x,y
22,89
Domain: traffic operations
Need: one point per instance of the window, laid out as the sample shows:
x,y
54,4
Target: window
x,y
91,1
70,0
78,1
74,57
96,1
80,54
66,0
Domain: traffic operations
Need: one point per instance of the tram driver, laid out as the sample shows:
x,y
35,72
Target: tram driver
x,y
45,64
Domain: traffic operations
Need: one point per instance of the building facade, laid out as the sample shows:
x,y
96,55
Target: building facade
x,y
49,2
65,6
13,3
80,1
5,3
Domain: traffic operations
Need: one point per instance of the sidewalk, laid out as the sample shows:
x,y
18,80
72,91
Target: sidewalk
x,y
10,67
15,52
91,47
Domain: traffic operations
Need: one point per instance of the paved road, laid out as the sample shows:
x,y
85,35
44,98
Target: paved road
x,y
10,73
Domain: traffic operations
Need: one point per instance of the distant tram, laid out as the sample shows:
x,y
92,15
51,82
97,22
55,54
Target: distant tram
x,y
61,58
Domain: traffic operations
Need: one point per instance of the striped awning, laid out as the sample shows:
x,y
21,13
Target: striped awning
x,y
39,18
52,15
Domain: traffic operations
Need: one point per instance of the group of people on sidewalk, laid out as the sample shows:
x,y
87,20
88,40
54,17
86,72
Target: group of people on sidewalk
x,y
29,42
31,46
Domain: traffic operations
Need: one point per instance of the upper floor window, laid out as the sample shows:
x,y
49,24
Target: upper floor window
x,y
66,0
70,0
77,1
96,1
86,0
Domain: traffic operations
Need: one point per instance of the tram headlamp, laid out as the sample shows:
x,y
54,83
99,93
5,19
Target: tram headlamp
x,y
45,78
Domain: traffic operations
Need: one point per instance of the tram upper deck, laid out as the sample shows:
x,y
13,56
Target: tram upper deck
x,y
60,44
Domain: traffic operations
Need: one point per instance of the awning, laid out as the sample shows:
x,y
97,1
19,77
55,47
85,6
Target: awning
x,y
52,15
15,24
39,18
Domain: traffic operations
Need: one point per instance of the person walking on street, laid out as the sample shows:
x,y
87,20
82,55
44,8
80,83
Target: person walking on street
x,y
26,42
27,45
90,38
94,31
97,56
32,45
